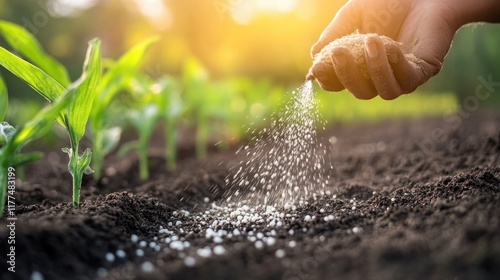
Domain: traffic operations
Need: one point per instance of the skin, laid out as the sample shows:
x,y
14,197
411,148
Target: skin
x,y
425,27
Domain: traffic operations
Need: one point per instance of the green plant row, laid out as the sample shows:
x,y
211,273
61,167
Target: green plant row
x,y
111,95
95,106
77,103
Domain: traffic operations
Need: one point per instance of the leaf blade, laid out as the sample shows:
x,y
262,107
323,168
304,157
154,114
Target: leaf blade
x,y
26,44
119,74
4,99
36,78
38,125
79,109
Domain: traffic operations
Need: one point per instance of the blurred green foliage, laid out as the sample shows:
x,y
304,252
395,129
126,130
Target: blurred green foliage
x,y
333,106
225,73
474,54
272,44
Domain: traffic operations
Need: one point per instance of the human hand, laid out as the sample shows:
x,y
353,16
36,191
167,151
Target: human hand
x,y
424,27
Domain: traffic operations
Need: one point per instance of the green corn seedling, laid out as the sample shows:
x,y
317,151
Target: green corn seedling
x,y
159,100
144,117
75,116
195,79
104,137
11,142
171,109
208,102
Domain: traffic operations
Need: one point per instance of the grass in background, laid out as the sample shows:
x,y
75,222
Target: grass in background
x,y
345,108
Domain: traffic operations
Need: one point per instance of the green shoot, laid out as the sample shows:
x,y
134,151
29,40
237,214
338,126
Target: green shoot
x,y
143,118
118,76
77,115
144,122
196,83
208,103
171,109
12,141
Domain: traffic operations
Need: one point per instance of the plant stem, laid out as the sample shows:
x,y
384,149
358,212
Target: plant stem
x,y
97,154
171,145
77,178
143,158
77,183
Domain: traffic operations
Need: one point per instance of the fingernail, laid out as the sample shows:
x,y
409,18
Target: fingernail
x,y
371,48
339,58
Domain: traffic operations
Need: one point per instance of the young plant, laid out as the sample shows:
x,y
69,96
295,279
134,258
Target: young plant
x,y
144,117
196,83
171,110
75,116
11,142
208,102
104,137
158,100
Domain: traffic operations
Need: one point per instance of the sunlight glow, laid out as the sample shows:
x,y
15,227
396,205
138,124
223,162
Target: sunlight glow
x,y
246,10
67,8
156,12
282,6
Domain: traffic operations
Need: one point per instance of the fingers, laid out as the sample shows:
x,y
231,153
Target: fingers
x,y
343,24
410,72
379,70
349,74
324,73
388,71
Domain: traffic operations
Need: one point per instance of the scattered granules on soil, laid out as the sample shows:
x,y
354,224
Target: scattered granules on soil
x,y
195,236
285,161
355,44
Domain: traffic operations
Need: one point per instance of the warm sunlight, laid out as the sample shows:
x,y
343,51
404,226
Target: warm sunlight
x,y
69,7
157,13
244,11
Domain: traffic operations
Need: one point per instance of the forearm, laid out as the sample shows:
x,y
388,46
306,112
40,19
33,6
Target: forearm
x,y
470,11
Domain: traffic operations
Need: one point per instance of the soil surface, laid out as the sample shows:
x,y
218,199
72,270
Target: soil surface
x,y
415,199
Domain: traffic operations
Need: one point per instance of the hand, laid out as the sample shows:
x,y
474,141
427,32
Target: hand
x,y
425,27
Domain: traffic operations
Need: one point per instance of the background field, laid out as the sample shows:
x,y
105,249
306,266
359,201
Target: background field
x,y
258,41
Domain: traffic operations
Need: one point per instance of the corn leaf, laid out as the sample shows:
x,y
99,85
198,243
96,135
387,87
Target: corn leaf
x,y
127,147
27,45
22,159
119,74
86,88
111,138
39,125
84,163
36,78
4,99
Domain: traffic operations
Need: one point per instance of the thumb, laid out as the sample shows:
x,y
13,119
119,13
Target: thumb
x,y
344,23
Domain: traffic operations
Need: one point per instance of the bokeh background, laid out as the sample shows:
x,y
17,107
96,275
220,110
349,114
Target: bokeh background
x,y
259,41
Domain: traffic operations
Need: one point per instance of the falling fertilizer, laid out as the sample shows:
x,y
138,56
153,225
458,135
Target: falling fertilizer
x,y
284,162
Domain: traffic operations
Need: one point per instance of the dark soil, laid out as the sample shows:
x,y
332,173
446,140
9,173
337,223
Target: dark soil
x,y
410,199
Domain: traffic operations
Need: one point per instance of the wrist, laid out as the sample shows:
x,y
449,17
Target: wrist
x,y
470,11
